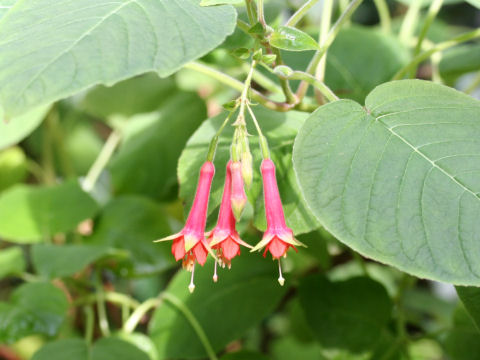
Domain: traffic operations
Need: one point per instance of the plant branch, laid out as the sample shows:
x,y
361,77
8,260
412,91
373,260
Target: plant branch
x,y
101,161
322,36
384,15
238,85
261,14
287,91
302,89
130,325
300,13
410,22
438,47
319,85
250,11
179,305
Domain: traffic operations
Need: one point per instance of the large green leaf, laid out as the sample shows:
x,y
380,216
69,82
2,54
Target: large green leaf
x,y
71,349
280,129
14,130
131,223
34,308
5,6
147,159
76,349
350,314
225,310
398,180
31,213
59,261
87,42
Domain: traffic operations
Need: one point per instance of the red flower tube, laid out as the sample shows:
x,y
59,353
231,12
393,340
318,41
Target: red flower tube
x,y
224,237
190,244
278,238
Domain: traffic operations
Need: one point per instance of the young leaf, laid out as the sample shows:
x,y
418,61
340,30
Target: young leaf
x,y
100,41
398,180
34,308
12,261
30,213
350,314
225,310
292,39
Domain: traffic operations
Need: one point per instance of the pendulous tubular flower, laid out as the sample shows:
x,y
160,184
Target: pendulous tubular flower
x,y
278,238
239,198
224,237
190,244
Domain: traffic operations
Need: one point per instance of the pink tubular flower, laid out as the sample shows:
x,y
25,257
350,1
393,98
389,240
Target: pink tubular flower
x,y
224,237
190,244
278,238
239,198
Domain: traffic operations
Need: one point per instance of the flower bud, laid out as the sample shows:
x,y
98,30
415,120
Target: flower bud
x,y
247,170
239,198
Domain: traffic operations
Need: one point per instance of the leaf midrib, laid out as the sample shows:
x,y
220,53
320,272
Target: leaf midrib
x,y
431,162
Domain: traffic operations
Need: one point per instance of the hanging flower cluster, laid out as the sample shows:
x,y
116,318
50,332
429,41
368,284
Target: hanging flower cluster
x,y
192,244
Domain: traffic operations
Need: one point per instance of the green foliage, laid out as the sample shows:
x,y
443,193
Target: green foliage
x,y
378,179
36,308
388,180
292,39
222,309
12,262
129,37
349,314
31,213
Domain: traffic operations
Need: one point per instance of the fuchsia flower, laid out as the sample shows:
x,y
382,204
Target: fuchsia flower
x,y
224,237
190,244
278,238
239,198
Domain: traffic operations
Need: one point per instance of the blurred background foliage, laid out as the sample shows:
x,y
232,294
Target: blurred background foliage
x,y
69,259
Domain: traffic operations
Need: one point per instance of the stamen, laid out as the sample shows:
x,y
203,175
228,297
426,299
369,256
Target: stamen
x,y
191,287
215,276
281,279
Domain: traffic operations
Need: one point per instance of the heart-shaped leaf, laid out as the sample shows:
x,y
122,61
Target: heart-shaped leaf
x,y
398,180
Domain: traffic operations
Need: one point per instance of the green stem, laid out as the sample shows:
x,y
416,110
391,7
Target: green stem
x,y
438,47
130,325
263,81
102,308
300,13
242,25
302,89
179,305
287,91
410,22
432,13
48,164
214,142
110,296
238,85
261,14
324,29
262,139
250,11
319,85
89,324
384,15
101,161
